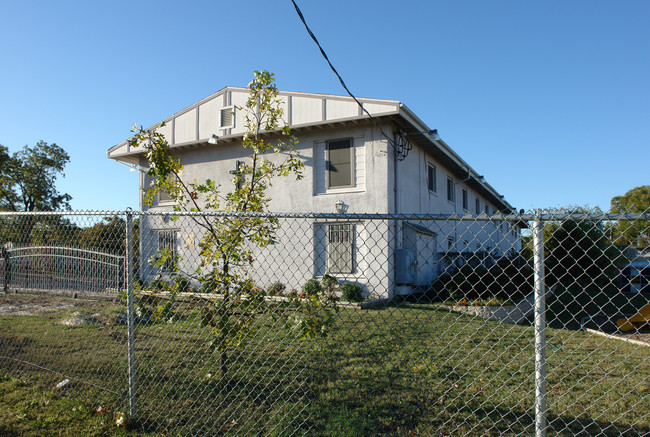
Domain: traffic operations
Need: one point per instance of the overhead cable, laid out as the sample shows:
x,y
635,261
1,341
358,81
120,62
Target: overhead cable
x,y
401,149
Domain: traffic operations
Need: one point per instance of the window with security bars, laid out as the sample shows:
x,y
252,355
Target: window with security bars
x,y
340,248
167,248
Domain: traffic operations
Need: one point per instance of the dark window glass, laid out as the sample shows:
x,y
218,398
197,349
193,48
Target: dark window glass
x,y
431,178
450,190
339,168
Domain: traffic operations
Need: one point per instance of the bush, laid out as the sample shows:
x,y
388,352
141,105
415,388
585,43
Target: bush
x,y
276,289
208,285
351,291
159,285
312,288
329,284
503,280
182,284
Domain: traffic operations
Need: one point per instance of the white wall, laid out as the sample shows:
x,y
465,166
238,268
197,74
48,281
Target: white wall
x,y
299,255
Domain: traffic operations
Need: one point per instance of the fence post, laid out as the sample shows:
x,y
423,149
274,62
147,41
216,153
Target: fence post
x,y
130,311
5,257
540,326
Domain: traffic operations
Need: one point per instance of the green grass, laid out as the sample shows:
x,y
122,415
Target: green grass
x,y
396,370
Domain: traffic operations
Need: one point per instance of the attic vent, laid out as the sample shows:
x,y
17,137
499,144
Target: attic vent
x,y
227,117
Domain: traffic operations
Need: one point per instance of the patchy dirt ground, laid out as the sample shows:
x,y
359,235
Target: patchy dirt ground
x,y
30,304
25,305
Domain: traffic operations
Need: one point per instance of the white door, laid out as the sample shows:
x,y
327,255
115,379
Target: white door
x,y
424,246
426,252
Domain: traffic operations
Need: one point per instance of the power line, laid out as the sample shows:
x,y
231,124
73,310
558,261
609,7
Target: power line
x,y
401,150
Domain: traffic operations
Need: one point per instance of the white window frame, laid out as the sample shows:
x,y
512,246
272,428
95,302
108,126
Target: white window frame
x,y
451,190
340,248
352,165
163,239
163,197
222,111
432,177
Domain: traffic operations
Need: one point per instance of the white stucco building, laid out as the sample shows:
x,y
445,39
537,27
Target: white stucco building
x,y
349,159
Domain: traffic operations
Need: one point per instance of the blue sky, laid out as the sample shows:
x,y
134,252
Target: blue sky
x,y
549,100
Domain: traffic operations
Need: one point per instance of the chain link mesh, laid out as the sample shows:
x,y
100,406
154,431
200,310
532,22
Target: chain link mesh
x,y
341,325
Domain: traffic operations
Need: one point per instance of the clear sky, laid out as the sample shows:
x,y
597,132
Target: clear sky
x,y
549,100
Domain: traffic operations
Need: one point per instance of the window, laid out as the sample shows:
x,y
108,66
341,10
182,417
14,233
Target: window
x,y
163,195
340,159
227,117
450,190
431,178
478,206
340,248
167,248
464,194
487,209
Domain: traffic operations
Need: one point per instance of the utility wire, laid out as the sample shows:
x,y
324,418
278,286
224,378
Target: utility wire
x,y
402,149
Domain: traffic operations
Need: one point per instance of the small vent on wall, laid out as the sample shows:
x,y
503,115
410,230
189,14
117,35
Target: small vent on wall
x,y
227,117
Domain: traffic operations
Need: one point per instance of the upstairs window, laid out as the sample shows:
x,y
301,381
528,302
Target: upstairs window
x,y
227,117
163,195
340,160
450,190
477,206
465,202
431,178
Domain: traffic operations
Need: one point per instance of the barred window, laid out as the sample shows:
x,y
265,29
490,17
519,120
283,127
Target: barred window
x,y
167,248
340,248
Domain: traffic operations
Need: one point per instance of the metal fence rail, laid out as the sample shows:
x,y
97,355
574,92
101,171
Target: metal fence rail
x,y
339,324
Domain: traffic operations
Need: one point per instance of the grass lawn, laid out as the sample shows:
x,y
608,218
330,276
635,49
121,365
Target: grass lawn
x,y
397,370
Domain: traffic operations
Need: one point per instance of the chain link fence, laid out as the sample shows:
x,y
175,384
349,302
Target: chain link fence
x,y
335,324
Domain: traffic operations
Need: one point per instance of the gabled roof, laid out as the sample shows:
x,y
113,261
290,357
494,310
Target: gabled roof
x,y
195,125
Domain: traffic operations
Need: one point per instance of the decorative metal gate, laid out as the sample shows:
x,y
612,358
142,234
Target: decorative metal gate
x,y
61,269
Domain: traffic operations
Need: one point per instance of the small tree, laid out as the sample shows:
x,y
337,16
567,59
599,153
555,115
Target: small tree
x,y
226,255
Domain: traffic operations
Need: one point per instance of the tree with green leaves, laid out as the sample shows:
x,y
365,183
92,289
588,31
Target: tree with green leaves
x,y
28,182
578,250
226,247
633,233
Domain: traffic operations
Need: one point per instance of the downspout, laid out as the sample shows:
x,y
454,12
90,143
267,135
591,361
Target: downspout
x,y
395,211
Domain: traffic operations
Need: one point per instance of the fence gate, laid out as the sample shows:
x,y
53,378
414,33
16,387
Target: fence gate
x,y
61,269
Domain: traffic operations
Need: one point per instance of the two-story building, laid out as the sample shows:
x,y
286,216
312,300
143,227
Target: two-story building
x,y
388,162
